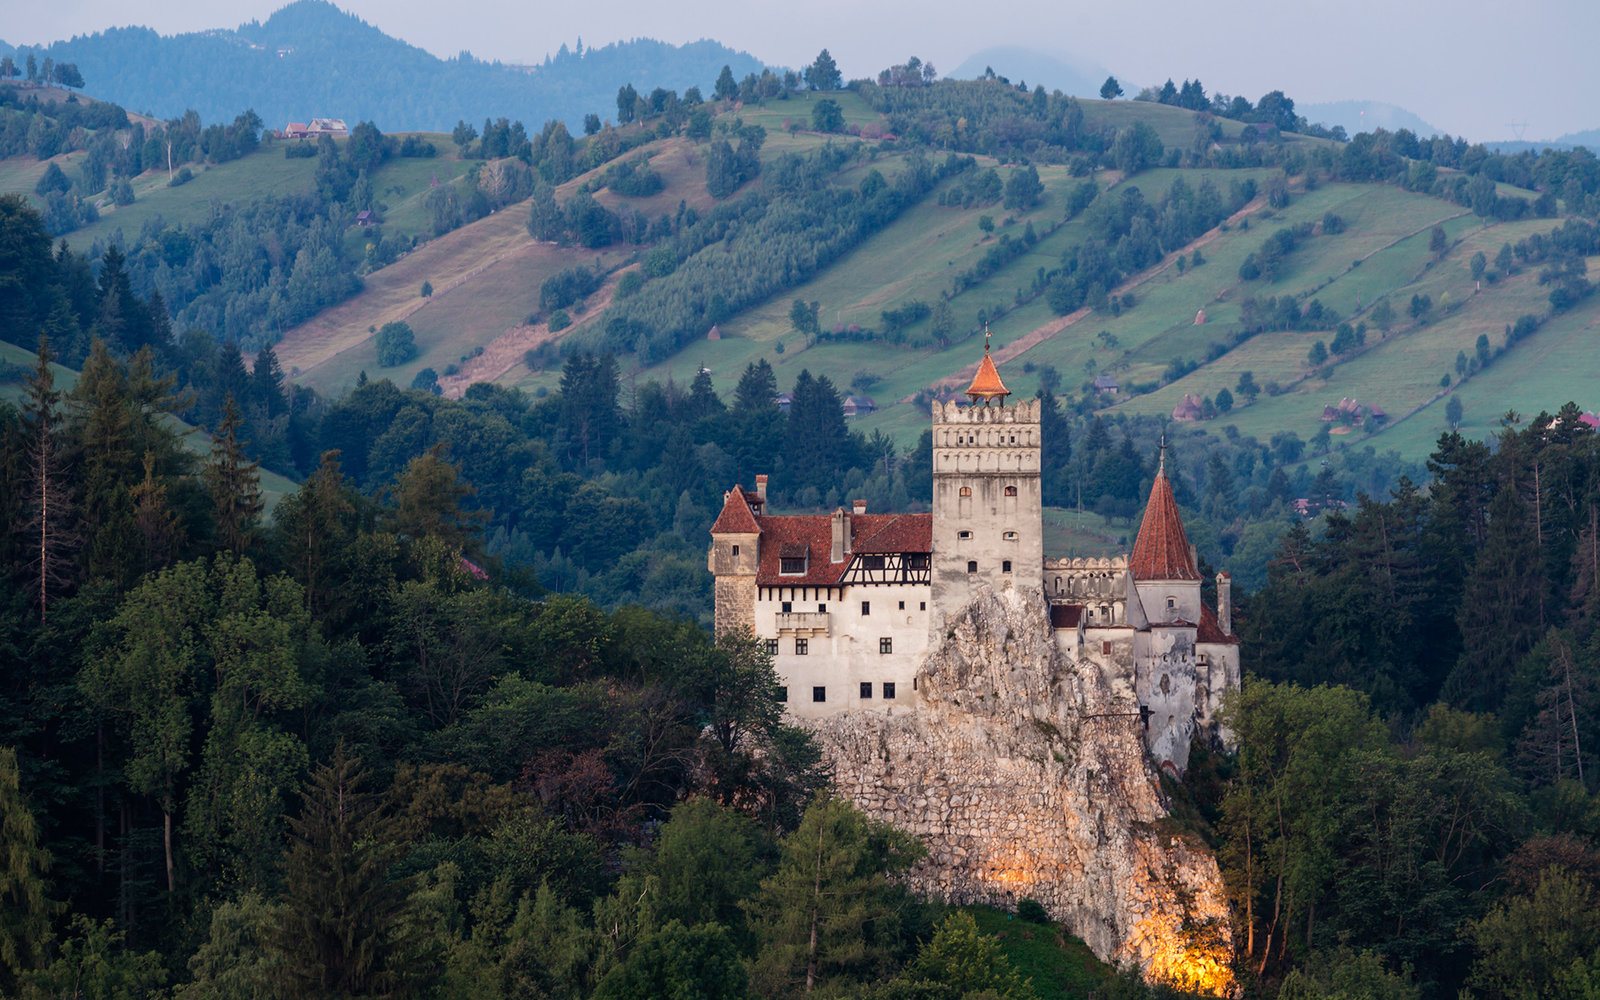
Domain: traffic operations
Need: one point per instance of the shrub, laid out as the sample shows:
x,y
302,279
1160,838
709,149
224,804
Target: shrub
x,y
559,320
1031,911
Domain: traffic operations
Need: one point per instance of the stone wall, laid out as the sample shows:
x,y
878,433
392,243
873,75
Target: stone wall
x,y
1023,782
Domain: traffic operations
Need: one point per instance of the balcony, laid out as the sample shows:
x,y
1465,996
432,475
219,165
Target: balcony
x,y
802,622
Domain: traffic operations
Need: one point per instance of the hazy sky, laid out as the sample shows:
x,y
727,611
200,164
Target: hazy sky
x,y
1470,67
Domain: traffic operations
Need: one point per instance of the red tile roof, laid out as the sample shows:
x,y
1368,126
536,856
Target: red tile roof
x,y
987,382
1161,552
1210,630
1063,616
736,517
792,535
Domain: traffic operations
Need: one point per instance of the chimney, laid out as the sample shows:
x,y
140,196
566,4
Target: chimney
x,y
1225,603
761,489
860,506
841,536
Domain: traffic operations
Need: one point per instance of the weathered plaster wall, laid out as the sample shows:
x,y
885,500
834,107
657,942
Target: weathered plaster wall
x,y
1019,791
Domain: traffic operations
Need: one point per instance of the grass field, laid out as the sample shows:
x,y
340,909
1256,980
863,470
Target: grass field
x,y
1061,967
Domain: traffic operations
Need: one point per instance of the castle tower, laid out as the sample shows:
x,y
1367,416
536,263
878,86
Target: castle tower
x,y
1163,563
987,521
735,557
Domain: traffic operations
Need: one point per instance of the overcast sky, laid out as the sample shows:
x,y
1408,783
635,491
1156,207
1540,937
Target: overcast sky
x,y
1470,67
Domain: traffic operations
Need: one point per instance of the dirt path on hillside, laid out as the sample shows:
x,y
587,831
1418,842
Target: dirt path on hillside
x,y
503,353
1039,335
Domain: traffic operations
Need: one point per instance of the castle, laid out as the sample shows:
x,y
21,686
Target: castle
x,y
847,603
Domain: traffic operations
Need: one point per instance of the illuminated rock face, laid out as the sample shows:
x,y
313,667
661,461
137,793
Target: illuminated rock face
x,y
1023,782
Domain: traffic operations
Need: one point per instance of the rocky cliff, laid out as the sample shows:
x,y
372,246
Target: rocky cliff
x,y
1026,778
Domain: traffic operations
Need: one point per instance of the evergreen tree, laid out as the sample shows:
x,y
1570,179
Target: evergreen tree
x,y
266,384
314,524
344,931
1499,611
428,500
816,441
235,485
48,537
25,910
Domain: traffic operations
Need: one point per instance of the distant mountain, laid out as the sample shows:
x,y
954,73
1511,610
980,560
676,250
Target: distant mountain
x,y
311,59
1365,116
1589,139
1057,71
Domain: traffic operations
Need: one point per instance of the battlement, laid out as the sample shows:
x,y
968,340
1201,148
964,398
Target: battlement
x,y
952,412
1110,564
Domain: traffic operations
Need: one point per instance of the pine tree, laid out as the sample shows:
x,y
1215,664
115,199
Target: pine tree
x,y
1499,610
48,534
344,932
235,485
267,384
25,911
313,523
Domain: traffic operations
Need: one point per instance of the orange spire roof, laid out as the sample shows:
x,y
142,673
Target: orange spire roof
x,y
1161,552
987,382
736,517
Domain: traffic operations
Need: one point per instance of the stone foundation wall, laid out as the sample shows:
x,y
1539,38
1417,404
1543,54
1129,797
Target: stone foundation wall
x,y
735,603
1023,782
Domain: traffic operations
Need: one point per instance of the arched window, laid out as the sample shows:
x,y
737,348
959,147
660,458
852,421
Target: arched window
x,y
966,491
1011,491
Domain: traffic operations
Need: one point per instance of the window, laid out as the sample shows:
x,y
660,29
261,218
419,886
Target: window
x,y
1011,536
802,647
888,689
919,560
966,491
866,608
1105,647
902,605
922,605
792,565
736,551
885,645
972,565
821,608
772,647
783,693
866,689
787,607
1011,491
1172,602
1005,566
872,562
819,694
963,534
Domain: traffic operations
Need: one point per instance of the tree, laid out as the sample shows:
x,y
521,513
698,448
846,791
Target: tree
x,y
396,344
726,88
830,911
47,529
591,123
266,383
1023,189
1111,89
823,74
826,116
235,485
344,930
1247,387
427,289
25,910
1383,315
1452,411
1224,400
1437,241
1540,945
679,961
627,101
966,962
463,135
1480,263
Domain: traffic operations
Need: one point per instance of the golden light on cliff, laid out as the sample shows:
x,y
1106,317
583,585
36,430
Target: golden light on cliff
x,y
1011,866
1192,960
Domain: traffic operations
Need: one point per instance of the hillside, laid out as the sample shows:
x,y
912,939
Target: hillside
x,y
311,59
1382,252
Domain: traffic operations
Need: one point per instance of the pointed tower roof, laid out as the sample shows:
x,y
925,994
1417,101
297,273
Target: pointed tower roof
x,y
986,383
1161,552
736,518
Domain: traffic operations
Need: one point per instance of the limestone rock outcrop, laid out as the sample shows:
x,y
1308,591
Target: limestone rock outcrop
x,y
1026,777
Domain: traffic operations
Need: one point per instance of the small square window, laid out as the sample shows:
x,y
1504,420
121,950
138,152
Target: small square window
x,y
922,605
821,608
802,647
866,689
866,608
772,647
902,605
786,607
783,693
1172,602
819,694
886,645
1005,566
963,534
972,565
736,551
888,689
